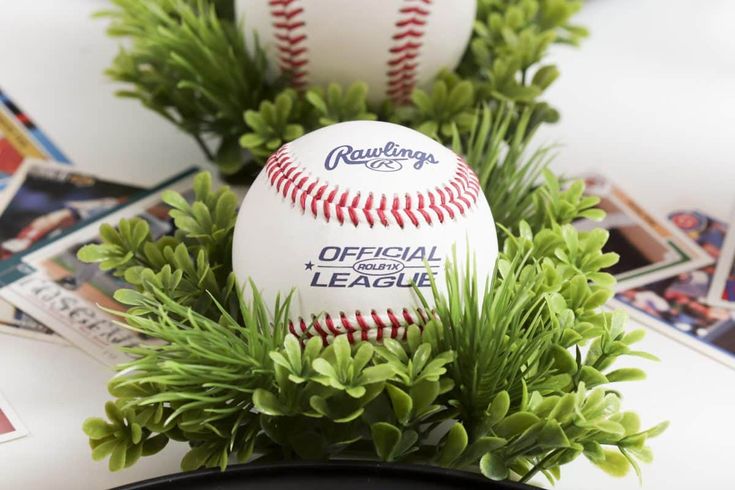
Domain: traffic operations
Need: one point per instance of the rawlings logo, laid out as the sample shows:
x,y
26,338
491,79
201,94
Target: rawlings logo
x,y
388,158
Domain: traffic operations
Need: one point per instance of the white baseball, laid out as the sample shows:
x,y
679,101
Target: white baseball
x,y
349,215
392,45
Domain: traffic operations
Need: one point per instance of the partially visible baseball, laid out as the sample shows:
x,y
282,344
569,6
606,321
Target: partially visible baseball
x,y
349,216
392,45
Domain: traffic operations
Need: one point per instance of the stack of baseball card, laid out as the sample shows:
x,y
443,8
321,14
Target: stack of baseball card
x,y
676,274
48,210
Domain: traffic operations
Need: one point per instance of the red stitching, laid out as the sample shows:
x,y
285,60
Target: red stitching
x,y
318,327
407,39
374,326
456,197
291,45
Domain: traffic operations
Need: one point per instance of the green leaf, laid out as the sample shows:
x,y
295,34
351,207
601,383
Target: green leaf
x,y
630,422
175,200
154,445
644,454
92,253
136,433
376,374
251,140
363,355
114,413
552,436
195,458
482,445
515,423
323,367
96,428
594,452
267,403
498,408
493,467
320,405
133,454
455,443
117,456
625,374
614,464
592,377
102,450
385,439
356,391
401,402
610,427
656,430
633,441
563,411
545,76
423,394
563,359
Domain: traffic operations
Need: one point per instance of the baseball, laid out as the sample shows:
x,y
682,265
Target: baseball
x,y
350,215
392,45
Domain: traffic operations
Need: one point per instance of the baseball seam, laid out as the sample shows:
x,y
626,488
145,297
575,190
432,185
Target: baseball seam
x,y
329,202
406,47
290,38
357,327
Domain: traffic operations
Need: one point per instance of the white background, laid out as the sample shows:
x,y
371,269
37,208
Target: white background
x,y
649,99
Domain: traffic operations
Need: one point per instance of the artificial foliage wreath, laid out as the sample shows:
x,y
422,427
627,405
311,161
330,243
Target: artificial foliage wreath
x,y
513,382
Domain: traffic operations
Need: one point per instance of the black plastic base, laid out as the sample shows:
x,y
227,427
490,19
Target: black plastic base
x,y
339,475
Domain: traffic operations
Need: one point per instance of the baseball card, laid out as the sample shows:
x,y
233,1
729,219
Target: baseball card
x,y
20,139
650,248
722,290
677,305
42,200
58,290
10,425
14,321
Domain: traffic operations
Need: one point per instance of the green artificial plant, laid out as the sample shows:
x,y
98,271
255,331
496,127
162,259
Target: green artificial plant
x,y
512,382
189,61
512,376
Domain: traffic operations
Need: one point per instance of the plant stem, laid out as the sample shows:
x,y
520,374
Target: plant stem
x,y
203,146
538,466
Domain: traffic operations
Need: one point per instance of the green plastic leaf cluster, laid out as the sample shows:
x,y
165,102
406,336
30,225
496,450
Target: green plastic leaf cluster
x,y
291,114
122,438
190,66
511,377
193,265
448,107
188,61
511,38
196,383
273,124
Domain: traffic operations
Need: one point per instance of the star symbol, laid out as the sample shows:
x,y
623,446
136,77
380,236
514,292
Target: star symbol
x,y
309,265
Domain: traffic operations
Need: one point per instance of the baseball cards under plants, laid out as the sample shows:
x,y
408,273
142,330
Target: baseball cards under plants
x,y
76,298
41,201
650,248
676,305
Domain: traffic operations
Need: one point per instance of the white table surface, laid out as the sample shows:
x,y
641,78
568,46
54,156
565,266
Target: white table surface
x,y
649,99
